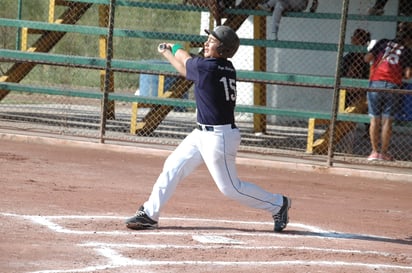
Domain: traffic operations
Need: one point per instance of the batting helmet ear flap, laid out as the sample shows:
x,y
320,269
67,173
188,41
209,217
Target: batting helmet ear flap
x,y
221,50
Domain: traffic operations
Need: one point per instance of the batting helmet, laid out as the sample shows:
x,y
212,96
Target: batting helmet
x,y
229,41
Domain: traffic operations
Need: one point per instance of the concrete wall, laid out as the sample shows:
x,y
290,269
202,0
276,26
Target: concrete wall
x,y
318,62
306,62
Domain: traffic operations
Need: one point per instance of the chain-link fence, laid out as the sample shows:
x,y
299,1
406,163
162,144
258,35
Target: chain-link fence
x,y
90,68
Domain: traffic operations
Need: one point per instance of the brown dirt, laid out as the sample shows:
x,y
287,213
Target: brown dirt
x,y
63,205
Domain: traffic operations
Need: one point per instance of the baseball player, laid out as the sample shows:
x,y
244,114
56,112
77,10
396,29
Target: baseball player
x,y
215,139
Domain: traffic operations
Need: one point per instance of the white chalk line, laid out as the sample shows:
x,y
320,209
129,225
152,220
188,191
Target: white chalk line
x,y
117,260
315,231
240,247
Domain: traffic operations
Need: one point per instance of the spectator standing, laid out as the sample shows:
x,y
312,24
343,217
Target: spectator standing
x,y
391,61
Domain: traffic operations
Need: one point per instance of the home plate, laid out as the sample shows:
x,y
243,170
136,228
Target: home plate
x,y
212,239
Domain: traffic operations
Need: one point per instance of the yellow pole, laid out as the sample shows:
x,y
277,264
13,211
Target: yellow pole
x,y
103,22
259,64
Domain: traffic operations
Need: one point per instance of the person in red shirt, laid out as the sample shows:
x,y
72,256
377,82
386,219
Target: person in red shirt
x,y
391,62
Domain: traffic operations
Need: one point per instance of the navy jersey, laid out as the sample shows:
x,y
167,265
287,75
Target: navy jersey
x,y
215,89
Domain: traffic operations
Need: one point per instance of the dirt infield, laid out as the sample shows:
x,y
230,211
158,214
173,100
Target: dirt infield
x,y
63,205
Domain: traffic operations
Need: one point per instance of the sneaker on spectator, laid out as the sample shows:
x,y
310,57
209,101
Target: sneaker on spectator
x,y
375,11
264,6
374,156
141,221
386,157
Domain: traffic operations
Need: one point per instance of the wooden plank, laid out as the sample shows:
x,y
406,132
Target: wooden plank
x,y
44,44
194,39
171,101
244,10
168,100
166,69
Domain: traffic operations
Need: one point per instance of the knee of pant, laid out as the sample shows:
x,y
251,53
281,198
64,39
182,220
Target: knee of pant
x,y
169,163
229,192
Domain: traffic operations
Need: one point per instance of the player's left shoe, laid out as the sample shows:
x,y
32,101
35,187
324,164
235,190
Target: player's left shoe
x,y
141,221
282,217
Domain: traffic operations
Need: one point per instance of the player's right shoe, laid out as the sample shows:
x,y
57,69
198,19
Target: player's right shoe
x,y
140,221
282,217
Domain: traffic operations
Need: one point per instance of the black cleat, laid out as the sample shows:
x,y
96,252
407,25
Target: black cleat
x,y
141,221
282,218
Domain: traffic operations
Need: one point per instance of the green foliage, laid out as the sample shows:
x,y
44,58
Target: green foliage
x,y
128,18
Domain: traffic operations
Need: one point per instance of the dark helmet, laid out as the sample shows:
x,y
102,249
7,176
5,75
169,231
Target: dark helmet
x,y
229,41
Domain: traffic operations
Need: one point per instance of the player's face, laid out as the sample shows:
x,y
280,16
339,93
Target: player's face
x,y
211,46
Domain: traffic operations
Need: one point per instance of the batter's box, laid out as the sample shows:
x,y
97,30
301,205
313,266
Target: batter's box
x,y
114,225
220,243
188,227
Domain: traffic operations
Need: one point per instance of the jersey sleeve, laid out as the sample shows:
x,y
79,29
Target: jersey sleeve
x,y
379,47
192,69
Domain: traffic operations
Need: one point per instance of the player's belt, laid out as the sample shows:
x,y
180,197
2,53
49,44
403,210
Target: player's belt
x,y
211,128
